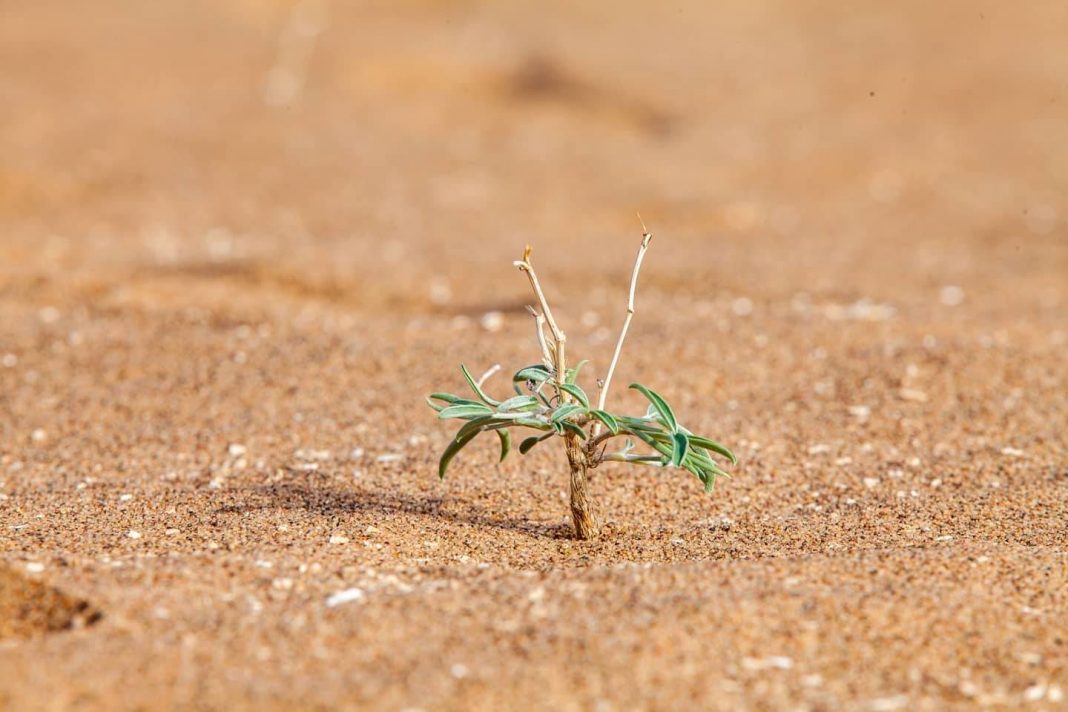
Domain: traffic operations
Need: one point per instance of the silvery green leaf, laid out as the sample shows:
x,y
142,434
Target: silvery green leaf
x,y
663,410
465,410
520,402
506,443
678,453
574,428
537,373
571,375
446,398
476,388
712,445
577,393
533,423
456,445
608,419
564,411
526,445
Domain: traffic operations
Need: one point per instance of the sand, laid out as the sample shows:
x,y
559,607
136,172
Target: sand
x,y
241,240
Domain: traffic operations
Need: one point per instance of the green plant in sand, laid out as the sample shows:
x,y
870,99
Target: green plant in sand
x,y
549,400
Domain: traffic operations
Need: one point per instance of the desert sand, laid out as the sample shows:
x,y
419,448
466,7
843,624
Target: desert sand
x,y
241,240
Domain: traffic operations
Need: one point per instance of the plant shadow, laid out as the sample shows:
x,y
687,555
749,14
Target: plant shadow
x,y
334,502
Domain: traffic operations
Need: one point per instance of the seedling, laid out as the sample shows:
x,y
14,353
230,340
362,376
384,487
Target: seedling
x,y
548,399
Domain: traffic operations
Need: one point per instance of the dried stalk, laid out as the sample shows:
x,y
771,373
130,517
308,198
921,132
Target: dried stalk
x,y
539,329
559,339
489,372
646,237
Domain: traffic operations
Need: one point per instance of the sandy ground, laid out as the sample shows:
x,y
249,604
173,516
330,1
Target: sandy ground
x,y
240,240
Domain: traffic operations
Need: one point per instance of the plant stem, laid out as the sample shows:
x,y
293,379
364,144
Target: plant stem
x,y
646,237
581,512
623,457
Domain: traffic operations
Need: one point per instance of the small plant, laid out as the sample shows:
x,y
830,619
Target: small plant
x,y
548,399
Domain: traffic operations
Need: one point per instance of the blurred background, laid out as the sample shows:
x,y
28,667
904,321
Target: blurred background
x,y
361,150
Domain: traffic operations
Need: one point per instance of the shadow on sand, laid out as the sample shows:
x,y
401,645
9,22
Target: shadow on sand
x,y
332,502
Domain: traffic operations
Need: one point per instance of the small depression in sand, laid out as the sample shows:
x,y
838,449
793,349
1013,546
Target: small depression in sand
x,y
28,607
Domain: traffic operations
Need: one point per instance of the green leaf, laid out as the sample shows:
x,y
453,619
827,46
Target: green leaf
x,y
571,375
522,402
577,393
465,410
506,442
574,428
678,453
565,411
447,398
533,423
660,447
608,419
476,388
714,447
662,408
537,373
526,445
476,425
454,447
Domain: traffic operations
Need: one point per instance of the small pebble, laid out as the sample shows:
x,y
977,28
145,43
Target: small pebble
x,y
35,567
1035,692
492,321
912,394
742,306
860,411
951,296
773,662
347,596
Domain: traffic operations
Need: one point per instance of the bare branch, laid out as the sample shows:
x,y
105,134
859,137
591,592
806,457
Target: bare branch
x,y
559,339
539,328
489,372
646,238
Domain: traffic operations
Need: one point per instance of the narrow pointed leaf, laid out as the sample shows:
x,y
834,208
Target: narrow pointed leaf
x,y
714,447
447,398
574,428
521,402
608,419
662,408
577,393
526,445
465,410
536,373
506,442
454,447
565,411
678,453
533,423
476,425
477,388
571,375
